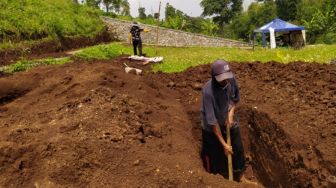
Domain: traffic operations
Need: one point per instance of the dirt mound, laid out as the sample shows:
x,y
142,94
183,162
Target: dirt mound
x,y
91,124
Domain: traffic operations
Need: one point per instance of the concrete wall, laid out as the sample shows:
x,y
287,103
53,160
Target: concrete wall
x,y
168,37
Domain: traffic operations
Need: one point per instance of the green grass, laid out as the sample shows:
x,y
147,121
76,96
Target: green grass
x,y
37,19
105,51
24,65
87,54
179,59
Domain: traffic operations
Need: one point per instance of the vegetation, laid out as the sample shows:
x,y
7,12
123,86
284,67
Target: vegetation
x,y
24,65
102,52
175,19
222,10
37,19
41,19
317,16
179,59
23,46
228,20
87,54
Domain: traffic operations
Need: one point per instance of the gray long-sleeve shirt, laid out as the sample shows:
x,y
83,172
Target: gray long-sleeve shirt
x,y
216,101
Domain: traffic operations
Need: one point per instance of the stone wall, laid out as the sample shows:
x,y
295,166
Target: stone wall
x,y
168,37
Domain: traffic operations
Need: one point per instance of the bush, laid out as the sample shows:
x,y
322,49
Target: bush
x,y
36,19
102,52
329,38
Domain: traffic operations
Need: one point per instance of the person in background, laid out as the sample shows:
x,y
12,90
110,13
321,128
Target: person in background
x,y
135,38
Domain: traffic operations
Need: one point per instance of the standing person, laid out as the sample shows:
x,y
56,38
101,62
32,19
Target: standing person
x,y
136,38
220,96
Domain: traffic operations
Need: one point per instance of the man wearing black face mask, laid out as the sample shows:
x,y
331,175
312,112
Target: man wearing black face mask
x,y
220,96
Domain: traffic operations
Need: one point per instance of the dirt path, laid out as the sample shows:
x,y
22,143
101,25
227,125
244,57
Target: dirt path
x,y
90,124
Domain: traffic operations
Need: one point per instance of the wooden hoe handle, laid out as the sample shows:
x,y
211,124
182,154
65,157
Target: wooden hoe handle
x,y
228,141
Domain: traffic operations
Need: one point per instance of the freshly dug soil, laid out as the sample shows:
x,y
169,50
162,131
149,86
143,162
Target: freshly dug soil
x,y
91,124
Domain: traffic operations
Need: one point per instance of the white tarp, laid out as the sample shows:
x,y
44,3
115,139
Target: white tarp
x,y
304,36
146,59
272,38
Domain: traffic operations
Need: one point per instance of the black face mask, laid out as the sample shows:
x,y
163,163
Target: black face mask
x,y
218,85
226,86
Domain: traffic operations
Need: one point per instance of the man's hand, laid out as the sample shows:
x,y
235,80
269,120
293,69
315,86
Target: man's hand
x,y
227,149
146,30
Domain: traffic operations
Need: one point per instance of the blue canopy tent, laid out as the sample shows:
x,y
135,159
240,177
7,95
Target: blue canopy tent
x,y
278,25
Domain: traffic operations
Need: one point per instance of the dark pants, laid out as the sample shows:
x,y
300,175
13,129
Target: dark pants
x,y
214,159
137,44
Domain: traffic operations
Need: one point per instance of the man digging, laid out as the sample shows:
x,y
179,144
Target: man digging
x,y
220,96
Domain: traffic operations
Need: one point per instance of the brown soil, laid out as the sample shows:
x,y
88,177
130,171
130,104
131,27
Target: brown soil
x,y
91,124
56,48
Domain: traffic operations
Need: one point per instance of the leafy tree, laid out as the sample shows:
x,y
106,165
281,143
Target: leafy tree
x,y
209,27
170,11
93,3
125,6
194,24
174,22
142,13
260,14
174,18
307,9
223,11
287,9
322,26
173,12
107,4
116,4
257,15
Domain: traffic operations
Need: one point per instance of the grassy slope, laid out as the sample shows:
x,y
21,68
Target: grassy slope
x,y
37,19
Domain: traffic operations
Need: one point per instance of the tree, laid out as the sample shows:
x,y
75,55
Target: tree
x,y
260,14
209,27
107,4
287,9
307,9
321,25
194,24
116,4
257,15
93,3
173,12
175,22
142,13
223,11
170,11
125,6
174,18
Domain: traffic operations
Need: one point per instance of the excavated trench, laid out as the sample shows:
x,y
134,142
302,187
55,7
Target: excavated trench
x,y
269,150
270,155
11,97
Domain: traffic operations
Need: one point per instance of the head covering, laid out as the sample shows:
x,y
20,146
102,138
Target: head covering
x,y
221,71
